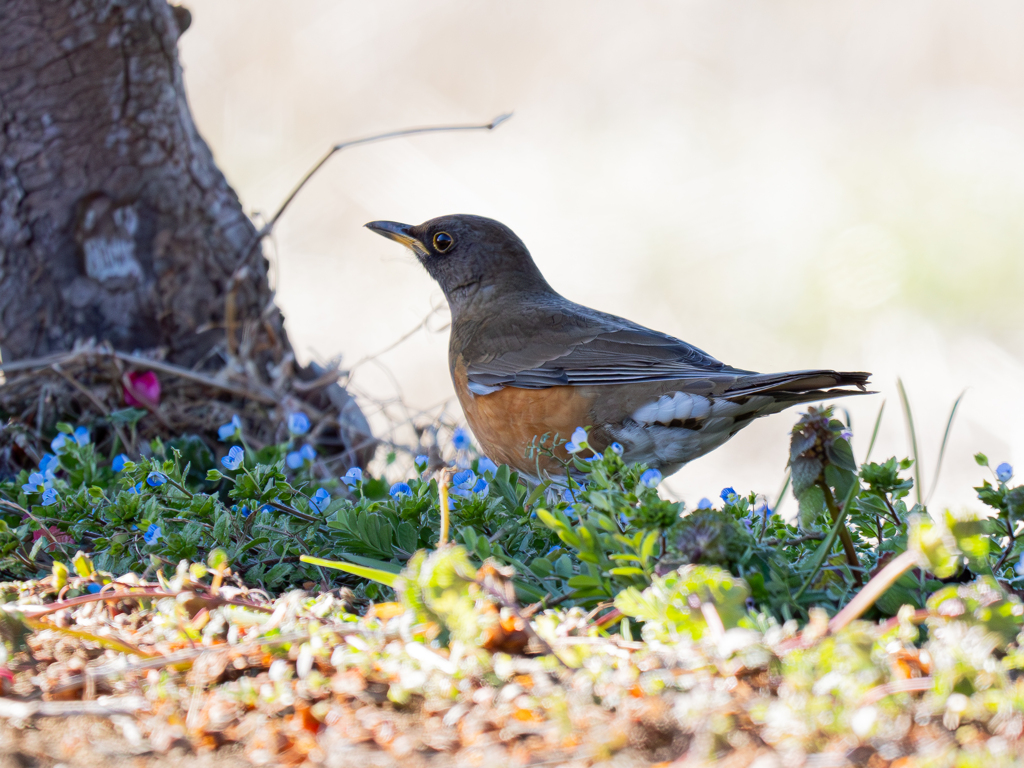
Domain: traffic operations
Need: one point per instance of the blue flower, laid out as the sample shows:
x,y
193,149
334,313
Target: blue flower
x,y
320,500
308,452
484,465
59,442
460,439
137,488
616,448
846,434
93,588
156,479
568,496
119,460
152,535
266,509
481,488
48,463
352,477
578,441
246,512
234,458
463,482
765,511
81,436
1004,472
704,503
553,550
231,430
298,423
421,461
727,494
1019,568
400,489
36,483
49,497
650,478
294,460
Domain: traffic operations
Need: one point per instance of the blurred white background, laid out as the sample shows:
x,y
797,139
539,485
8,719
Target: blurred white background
x,y
784,184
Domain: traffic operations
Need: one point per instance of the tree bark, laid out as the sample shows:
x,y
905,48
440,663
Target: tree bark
x,y
115,223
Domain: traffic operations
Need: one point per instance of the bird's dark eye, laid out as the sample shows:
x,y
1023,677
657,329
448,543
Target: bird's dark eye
x,y
442,242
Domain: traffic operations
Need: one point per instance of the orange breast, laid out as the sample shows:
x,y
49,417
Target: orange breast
x,y
507,421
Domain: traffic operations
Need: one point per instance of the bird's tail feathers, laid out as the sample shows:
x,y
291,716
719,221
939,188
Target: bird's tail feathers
x,y
802,386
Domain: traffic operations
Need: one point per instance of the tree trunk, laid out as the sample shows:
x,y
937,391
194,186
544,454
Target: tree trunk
x,y
115,223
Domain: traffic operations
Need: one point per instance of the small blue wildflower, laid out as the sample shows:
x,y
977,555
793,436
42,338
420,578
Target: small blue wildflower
x,y
727,494
650,478
623,520
400,489
137,488
234,458
463,482
48,463
59,442
484,465
230,430
36,483
1004,472
616,448
93,588
481,488
156,479
152,534
307,452
246,512
81,436
1019,568
298,423
555,549
49,497
294,460
352,477
421,461
119,460
846,434
266,509
595,457
460,439
704,503
578,441
320,500
765,511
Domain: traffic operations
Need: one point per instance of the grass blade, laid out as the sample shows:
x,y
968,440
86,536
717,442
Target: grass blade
x,y
874,432
908,417
373,574
945,441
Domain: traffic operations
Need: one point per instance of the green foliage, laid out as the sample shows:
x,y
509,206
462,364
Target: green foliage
x,y
677,606
607,534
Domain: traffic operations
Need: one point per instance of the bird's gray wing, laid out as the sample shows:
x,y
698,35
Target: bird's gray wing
x,y
582,347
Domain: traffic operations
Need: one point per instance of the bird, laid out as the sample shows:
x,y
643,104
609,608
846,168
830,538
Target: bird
x,y
530,366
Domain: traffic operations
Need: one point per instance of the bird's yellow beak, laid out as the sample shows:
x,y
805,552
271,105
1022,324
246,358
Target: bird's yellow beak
x,y
400,233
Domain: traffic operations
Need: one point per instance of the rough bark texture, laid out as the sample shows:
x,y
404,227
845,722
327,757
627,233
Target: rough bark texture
x,y
114,221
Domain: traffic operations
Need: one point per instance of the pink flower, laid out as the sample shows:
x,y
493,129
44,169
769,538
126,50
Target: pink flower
x,y
141,388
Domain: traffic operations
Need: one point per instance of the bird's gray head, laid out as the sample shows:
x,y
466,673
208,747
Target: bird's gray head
x,y
465,254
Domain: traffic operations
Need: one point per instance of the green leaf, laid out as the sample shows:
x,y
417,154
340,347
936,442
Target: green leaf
x,y
841,454
981,459
126,417
585,581
222,529
812,502
373,574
